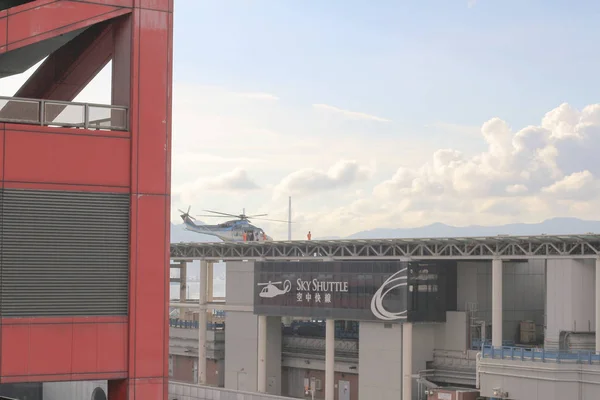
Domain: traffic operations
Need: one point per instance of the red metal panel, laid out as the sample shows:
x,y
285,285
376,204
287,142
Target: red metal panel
x,y
151,298
3,31
14,350
49,360
160,5
149,389
65,377
53,19
85,348
67,188
81,347
1,153
66,159
100,347
133,278
169,110
66,131
153,102
119,3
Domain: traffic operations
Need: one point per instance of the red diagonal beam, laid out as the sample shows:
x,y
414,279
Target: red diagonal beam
x,y
44,19
64,74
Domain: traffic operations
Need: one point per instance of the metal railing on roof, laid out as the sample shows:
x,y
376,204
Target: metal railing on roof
x,y
540,355
63,114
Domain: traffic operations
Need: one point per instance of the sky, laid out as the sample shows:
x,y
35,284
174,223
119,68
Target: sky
x,y
382,114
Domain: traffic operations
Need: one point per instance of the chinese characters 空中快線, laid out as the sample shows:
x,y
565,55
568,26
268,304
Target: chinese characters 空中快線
x,y
317,297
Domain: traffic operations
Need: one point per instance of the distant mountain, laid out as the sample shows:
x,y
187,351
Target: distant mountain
x,y
554,226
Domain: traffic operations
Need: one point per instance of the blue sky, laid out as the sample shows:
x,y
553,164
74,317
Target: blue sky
x,y
383,113
416,61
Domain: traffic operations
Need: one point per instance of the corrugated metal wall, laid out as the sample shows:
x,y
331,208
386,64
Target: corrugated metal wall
x,y
64,253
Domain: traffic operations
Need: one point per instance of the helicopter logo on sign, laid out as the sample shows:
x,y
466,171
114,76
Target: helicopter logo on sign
x,y
270,289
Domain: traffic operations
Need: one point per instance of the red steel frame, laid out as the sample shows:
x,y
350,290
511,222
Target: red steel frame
x,y
137,35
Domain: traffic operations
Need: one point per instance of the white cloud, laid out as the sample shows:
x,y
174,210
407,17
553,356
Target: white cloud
x,y
349,114
472,3
527,175
235,180
516,189
310,181
579,185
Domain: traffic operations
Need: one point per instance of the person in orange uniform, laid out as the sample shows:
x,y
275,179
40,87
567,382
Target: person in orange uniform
x,y
309,235
244,236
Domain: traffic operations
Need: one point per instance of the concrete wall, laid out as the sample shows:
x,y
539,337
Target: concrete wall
x,y
185,370
423,345
453,334
571,299
274,355
380,361
540,381
241,332
241,361
241,335
523,293
185,391
294,382
81,390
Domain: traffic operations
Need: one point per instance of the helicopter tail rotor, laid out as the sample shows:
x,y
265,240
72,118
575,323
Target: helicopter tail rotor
x,y
186,214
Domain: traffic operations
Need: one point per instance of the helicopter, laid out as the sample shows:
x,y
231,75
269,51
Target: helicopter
x,y
229,231
270,289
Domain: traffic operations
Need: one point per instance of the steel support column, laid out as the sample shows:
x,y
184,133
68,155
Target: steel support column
x,y
597,304
182,288
407,329
496,302
262,354
329,359
202,324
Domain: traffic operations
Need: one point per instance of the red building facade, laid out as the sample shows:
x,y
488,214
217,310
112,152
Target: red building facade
x,y
84,243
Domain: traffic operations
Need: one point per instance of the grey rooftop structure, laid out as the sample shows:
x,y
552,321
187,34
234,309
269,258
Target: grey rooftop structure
x,y
451,248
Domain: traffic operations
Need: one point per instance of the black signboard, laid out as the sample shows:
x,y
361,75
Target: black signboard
x,y
390,291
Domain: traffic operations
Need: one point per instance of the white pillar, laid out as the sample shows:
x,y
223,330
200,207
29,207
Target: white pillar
x,y
262,354
210,283
329,359
202,324
407,361
496,302
182,288
597,304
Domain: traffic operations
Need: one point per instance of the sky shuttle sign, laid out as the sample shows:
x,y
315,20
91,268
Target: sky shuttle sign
x,y
387,291
330,289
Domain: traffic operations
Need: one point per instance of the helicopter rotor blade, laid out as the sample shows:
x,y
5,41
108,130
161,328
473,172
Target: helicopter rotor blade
x,y
257,215
273,220
220,213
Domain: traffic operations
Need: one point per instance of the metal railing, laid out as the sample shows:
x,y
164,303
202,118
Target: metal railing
x,y
540,355
63,114
303,345
185,324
